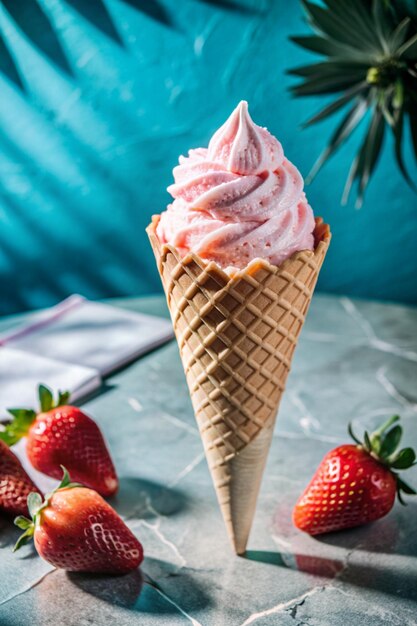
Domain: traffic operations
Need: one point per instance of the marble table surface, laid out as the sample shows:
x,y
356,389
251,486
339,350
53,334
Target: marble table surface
x,y
355,361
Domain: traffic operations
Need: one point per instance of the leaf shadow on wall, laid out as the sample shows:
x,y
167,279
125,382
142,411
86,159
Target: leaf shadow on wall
x,y
97,14
153,9
9,68
34,23
36,26
233,5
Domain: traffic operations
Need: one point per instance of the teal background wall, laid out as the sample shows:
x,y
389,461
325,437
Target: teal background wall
x,y
97,100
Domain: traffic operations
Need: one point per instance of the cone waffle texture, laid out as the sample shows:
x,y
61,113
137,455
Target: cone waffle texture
x,y
236,336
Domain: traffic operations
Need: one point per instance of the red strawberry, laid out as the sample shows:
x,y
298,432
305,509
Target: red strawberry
x,y
356,484
76,530
63,435
15,484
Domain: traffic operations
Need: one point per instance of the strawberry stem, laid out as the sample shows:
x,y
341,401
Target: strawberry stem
x,y
402,486
46,398
65,482
382,444
63,397
27,536
368,444
19,426
352,434
392,420
35,506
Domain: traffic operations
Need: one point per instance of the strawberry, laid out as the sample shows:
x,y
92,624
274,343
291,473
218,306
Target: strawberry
x,y
61,434
356,484
76,530
15,484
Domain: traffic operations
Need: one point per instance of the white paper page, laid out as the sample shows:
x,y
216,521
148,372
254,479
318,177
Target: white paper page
x,y
92,334
21,373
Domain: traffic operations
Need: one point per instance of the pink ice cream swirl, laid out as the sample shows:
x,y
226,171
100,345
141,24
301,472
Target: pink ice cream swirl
x,y
238,200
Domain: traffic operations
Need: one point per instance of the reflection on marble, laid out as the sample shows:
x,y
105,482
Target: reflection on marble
x,y
356,361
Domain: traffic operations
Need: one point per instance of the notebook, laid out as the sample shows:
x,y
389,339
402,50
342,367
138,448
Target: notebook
x,y
73,346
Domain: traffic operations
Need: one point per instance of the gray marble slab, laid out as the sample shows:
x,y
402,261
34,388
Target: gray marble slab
x,y
356,361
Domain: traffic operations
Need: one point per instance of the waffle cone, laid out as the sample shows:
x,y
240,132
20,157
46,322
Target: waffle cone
x,y
236,336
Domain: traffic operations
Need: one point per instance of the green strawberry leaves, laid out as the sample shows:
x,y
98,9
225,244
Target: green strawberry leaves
x,y
403,487
17,428
65,483
22,522
34,503
28,526
383,444
368,443
405,458
35,506
46,399
63,397
23,419
390,442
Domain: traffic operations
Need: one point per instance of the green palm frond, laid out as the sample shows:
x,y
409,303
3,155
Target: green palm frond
x,y
369,59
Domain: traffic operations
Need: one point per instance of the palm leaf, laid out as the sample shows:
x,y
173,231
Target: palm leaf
x,y
413,130
383,28
373,145
331,68
409,49
397,130
358,8
398,36
347,125
405,8
364,163
326,46
326,84
369,55
337,104
354,13
336,28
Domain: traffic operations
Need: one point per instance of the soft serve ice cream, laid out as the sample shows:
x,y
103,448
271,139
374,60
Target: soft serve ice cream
x,y
238,200
237,317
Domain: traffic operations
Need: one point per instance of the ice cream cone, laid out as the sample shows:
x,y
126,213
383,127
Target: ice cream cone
x,y
236,336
